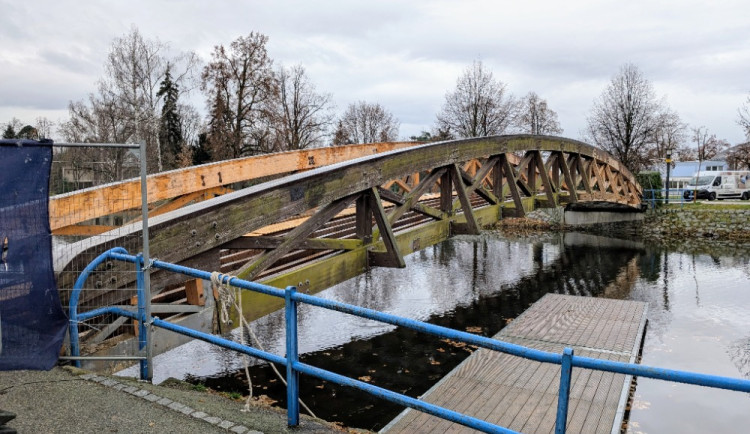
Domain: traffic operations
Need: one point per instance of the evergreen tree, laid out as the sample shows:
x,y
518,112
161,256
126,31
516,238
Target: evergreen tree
x,y
10,132
170,131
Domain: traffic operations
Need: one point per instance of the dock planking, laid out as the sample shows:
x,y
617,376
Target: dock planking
x,y
521,394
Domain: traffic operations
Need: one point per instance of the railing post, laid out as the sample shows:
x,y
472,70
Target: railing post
x,y
142,330
292,376
566,369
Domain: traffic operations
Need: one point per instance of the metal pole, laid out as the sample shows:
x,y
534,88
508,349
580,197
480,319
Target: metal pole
x,y
292,376
563,396
146,264
669,163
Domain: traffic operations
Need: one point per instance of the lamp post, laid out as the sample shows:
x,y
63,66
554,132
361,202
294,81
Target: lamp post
x,y
669,164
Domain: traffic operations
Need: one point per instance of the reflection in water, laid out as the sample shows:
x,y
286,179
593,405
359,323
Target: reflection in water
x,y
700,323
699,320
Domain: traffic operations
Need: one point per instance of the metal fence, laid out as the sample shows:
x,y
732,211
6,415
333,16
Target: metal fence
x,y
83,213
567,360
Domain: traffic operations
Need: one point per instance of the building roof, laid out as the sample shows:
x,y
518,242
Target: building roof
x,y
687,169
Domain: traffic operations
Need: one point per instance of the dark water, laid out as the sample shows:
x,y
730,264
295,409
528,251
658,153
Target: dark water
x,y
699,319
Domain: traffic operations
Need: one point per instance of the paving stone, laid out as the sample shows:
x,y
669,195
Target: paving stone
x,y
141,393
87,376
176,406
186,410
130,389
151,397
119,386
226,424
199,414
239,429
164,401
213,420
110,383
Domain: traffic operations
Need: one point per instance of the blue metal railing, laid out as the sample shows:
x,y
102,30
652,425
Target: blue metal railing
x,y
654,196
294,367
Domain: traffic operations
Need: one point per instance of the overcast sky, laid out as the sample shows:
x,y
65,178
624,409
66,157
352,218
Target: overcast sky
x,y
404,55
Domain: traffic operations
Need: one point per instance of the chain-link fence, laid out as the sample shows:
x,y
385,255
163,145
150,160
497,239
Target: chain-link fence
x,y
96,205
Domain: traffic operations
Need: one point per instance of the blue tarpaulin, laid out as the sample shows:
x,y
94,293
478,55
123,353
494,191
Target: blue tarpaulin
x,y
32,322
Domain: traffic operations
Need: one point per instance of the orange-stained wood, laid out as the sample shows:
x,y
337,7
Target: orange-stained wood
x,y
72,208
82,230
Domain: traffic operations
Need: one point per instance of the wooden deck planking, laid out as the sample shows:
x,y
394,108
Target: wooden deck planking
x,y
521,394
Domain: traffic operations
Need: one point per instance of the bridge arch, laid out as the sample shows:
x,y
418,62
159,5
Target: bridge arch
x,y
457,185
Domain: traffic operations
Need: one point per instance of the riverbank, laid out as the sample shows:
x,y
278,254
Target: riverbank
x,y
693,228
66,400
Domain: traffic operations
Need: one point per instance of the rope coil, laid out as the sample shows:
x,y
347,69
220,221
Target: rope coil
x,y
229,297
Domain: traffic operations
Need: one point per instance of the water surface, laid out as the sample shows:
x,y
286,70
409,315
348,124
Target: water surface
x,y
699,320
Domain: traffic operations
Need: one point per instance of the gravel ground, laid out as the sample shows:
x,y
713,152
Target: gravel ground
x,y
68,400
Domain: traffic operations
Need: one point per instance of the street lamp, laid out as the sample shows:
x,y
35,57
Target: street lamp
x,y
669,164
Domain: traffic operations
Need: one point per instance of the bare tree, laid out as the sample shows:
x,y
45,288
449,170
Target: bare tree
x,y
125,107
479,106
302,116
44,126
535,117
135,68
669,134
623,118
366,123
738,156
240,87
101,120
744,117
707,146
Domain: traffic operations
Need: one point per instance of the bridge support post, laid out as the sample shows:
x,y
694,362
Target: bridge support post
x,y
364,219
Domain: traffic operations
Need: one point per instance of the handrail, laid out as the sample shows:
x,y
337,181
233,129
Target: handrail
x,y
567,359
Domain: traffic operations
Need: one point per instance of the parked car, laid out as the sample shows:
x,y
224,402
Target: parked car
x,y
719,185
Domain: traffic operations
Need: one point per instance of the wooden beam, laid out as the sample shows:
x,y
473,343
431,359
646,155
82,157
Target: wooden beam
x,y
392,256
583,172
194,292
363,219
472,228
71,208
569,180
513,185
83,230
497,179
545,179
296,236
269,243
446,193
553,168
531,172
409,202
181,201
475,185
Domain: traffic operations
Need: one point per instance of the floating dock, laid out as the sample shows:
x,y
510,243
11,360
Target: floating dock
x,y
521,394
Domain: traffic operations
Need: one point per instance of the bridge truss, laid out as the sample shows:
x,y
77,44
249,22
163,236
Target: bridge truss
x,y
318,227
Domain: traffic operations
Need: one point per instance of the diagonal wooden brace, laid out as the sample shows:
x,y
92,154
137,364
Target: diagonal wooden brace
x,y
392,256
299,234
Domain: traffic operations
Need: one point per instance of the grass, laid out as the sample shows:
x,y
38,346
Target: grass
x,y
706,205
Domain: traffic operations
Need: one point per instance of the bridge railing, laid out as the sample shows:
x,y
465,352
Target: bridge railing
x,y
567,360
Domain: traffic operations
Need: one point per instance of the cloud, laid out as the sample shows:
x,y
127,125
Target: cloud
x,y
406,55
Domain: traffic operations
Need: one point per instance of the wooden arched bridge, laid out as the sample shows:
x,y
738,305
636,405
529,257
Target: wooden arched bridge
x,y
336,213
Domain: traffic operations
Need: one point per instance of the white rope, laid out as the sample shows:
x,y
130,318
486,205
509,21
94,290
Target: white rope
x,y
230,297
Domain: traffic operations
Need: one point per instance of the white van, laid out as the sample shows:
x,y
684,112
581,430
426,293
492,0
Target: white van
x,y
719,185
